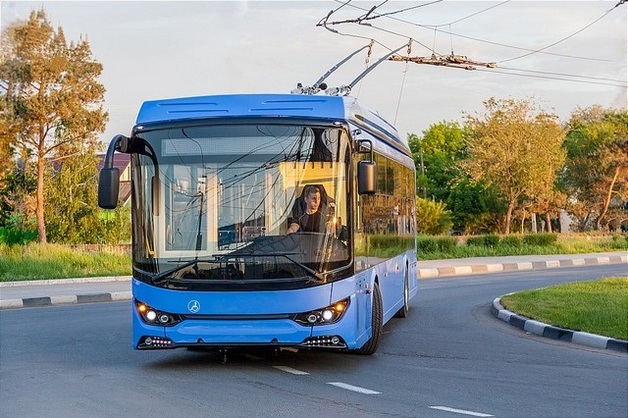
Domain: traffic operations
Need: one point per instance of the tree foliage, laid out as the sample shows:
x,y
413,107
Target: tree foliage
x,y
72,213
17,206
436,154
596,172
432,217
51,98
476,208
439,156
515,149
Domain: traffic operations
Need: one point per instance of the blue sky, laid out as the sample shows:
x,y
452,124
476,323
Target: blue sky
x,y
556,53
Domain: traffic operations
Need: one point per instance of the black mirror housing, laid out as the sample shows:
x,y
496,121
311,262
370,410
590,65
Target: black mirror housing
x,y
108,187
367,177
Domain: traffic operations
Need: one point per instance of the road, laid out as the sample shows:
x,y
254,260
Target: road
x,y
449,358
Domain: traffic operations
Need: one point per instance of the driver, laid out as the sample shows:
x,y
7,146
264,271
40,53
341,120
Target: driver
x,y
309,219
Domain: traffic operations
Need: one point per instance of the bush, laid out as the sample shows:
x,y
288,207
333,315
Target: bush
x,y
513,241
426,244
446,244
432,217
429,244
489,241
543,240
13,236
477,241
619,242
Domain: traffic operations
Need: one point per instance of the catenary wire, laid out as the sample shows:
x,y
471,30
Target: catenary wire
x,y
433,28
548,75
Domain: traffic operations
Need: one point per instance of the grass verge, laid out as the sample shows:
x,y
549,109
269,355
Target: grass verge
x,y
52,261
599,307
443,247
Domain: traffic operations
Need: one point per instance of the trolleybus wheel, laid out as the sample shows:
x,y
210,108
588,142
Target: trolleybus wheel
x,y
377,324
403,311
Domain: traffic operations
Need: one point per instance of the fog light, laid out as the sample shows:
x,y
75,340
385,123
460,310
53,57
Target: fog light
x,y
155,342
324,341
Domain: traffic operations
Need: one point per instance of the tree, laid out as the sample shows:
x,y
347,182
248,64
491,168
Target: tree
x,y
549,202
515,150
596,172
436,155
476,208
72,213
8,166
52,99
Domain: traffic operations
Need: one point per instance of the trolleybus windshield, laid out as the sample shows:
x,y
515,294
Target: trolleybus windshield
x,y
223,198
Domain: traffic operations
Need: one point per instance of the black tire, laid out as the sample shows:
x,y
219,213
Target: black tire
x,y
403,311
377,324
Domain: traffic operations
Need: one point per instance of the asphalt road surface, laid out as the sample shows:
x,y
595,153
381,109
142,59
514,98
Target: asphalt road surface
x,y
449,358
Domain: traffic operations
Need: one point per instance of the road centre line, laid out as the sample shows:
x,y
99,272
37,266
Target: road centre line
x,y
337,384
460,411
353,388
290,370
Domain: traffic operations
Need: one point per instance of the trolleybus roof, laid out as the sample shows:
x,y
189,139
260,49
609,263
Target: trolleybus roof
x,y
269,105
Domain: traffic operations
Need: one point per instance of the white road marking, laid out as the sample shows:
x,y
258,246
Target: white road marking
x,y
353,388
460,411
290,370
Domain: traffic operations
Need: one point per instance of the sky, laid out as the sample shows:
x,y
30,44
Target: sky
x,y
561,55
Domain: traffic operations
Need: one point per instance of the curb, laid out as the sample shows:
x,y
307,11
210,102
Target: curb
x,y
64,300
529,265
549,331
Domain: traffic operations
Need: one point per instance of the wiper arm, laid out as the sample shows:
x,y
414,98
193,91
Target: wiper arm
x,y
313,273
161,277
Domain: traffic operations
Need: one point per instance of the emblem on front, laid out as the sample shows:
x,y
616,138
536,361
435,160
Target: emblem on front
x,y
194,306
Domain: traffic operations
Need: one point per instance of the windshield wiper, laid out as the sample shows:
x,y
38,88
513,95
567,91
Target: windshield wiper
x,y
313,273
163,276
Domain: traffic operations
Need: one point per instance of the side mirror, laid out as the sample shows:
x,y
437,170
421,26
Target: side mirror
x,y
367,177
108,187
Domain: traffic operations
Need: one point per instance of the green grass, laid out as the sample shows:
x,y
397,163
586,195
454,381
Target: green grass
x,y
51,261
599,307
431,249
463,251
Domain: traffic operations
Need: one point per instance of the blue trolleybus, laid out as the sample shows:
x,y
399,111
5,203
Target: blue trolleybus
x,y
218,181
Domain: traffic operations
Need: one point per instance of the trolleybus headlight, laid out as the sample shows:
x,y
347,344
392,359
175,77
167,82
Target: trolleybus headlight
x,y
323,316
153,316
